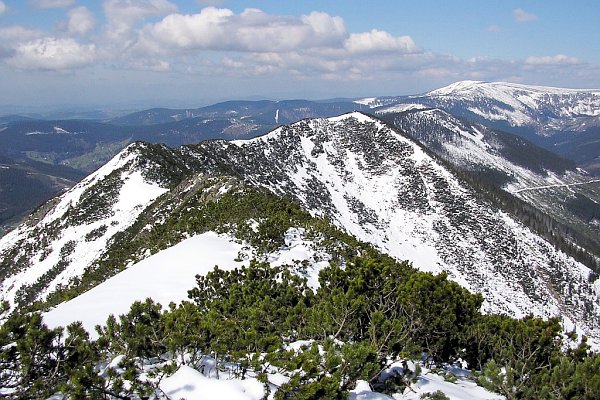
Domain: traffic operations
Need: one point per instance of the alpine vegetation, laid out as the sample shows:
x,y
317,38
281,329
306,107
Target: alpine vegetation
x,y
327,259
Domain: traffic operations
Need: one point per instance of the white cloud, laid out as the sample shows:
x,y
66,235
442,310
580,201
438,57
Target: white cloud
x,y
222,44
50,53
15,34
252,30
559,59
150,65
127,12
2,7
51,3
122,19
81,20
494,28
521,15
379,41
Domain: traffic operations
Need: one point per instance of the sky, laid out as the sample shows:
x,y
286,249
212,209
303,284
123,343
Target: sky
x,y
138,53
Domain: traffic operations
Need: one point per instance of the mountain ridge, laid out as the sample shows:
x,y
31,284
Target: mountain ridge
x,y
564,121
369,180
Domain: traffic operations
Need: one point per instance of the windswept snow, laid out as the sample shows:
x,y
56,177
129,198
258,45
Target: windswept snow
x,y
165,277
168,275
73,250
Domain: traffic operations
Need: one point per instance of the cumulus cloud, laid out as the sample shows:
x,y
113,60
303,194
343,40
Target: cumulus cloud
x,y
123,18
51,53
219,42
379,41
81,20
252,31
51,3
559,59
521,15
494,28
2,7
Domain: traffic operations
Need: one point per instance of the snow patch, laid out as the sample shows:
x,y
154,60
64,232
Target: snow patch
x,y
187,383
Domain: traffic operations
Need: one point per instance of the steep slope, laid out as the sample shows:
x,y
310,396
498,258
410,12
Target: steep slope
x,y
535,175
546,110
68,234
25,184
383,188
368,179
564,121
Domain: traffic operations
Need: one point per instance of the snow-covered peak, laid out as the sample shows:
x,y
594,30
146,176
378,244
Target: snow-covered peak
x,y
126,157
73,231
359,116
454,88
331,121
545,110
383,188
466,88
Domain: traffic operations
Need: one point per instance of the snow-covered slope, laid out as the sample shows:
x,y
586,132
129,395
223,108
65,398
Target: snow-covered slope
x,y
383,188
370,180
39,256
534,175
168,275
547,110
165,277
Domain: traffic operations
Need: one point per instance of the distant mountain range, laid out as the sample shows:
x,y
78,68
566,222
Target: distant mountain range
x,y
84,145
563,121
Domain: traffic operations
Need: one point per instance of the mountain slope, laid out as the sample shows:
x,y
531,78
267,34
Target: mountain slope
x,y
530,173
370,180
25,184
546,110
384,189
71,232
561,120
87,144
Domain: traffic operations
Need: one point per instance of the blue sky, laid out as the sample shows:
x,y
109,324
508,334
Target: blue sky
x,y
128,53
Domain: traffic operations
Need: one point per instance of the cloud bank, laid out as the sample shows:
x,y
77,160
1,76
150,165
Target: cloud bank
x,y
218,43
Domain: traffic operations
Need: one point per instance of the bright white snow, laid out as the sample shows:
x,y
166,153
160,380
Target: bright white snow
x,y
168,275
187,383
165,277
134,196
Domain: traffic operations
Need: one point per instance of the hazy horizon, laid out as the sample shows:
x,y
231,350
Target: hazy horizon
x,y
135,54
